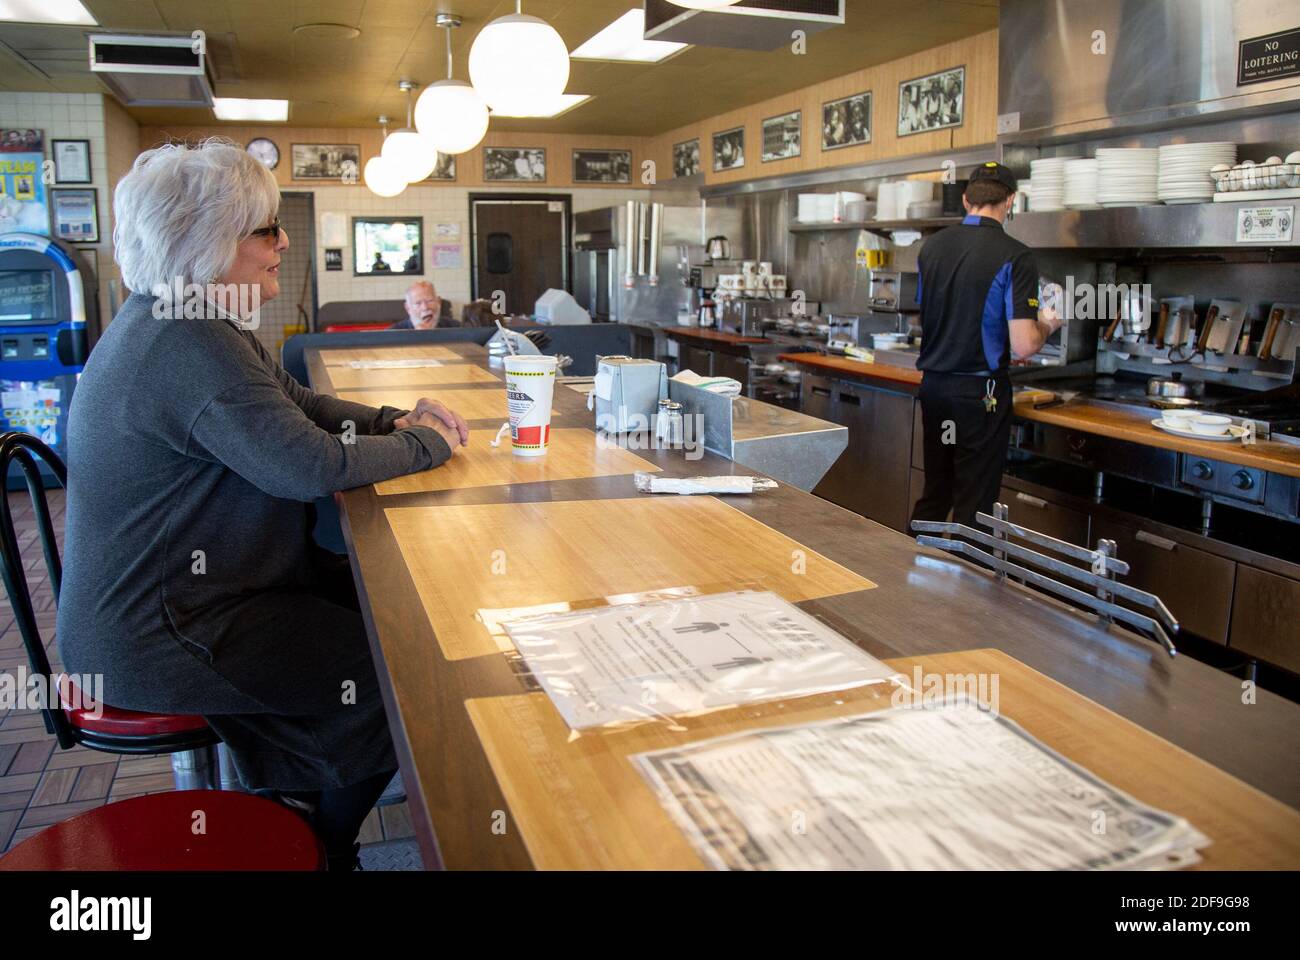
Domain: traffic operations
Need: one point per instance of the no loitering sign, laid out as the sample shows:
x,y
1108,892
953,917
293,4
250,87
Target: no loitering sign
x,y
1271,57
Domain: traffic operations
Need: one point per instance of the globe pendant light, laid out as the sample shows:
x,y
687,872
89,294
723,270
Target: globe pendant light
x,y
704,4
519,64
379,175
411,155
450,113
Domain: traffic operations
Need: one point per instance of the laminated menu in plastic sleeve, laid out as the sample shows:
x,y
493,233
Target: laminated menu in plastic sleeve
x,y
643,662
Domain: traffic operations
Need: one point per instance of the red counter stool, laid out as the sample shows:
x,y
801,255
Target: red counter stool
x,y
177,830
76,719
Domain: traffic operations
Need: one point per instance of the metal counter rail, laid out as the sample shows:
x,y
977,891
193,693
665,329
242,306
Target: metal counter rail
x,y
1101,576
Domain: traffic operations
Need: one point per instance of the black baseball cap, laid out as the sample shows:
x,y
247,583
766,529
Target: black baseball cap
x,y
992,170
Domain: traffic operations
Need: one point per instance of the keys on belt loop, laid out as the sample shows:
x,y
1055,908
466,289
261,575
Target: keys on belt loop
x,y
990,401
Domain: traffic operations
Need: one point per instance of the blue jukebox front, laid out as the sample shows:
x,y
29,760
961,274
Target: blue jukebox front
x,y
47,310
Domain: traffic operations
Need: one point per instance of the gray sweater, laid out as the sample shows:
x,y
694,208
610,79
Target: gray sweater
x,y
191,455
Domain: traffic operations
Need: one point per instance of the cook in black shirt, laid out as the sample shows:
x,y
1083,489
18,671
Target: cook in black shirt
x,y
978,291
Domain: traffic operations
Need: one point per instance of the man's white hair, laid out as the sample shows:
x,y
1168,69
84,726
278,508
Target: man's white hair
x,y
182,210
420,283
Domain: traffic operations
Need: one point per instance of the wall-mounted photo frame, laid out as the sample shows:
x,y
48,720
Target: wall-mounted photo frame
x,y
514,164
729,149
325,161
846,122
933,102
71,161
75,214
445,170
783,136
387,246
686,158
602,166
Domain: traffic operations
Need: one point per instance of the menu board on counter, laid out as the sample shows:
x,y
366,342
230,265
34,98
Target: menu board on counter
x,y
948,787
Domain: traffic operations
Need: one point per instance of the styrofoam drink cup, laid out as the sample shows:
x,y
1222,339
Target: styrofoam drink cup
x,y
530,388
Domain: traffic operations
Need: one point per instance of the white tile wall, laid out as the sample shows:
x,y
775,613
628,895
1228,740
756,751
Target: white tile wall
x,y
71,116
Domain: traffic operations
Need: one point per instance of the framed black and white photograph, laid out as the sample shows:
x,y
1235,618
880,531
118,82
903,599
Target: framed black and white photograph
x,y
783,136
932,103
846,122
729,149
446,168
71,161
526,164
324,161
75,214
602,166
686,158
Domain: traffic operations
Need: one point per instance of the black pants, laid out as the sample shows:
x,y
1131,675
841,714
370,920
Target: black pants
x,y
965,446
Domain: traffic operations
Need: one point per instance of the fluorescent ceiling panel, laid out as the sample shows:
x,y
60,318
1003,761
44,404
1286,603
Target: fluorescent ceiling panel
x,y
232,108
565,103
624,39
46,11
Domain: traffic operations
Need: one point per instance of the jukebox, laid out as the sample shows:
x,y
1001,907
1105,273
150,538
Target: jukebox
x,y
47,316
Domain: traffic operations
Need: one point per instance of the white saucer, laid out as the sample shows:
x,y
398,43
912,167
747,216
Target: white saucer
x,y
1234,433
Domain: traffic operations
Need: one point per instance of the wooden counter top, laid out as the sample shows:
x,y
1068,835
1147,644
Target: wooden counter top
x,y
1106,421
715,336
451,715
855,369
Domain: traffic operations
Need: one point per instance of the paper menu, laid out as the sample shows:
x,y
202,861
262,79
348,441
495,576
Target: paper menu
x,y
933,788
615,664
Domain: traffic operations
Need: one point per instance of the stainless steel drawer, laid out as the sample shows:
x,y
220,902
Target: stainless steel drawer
x,y
1046,517
1196,586
1266,617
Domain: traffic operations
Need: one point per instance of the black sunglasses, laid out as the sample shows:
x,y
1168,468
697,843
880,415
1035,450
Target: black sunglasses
x,y
272,231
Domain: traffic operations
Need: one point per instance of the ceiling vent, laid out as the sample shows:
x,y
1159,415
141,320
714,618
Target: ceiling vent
x,y
152,71
749,25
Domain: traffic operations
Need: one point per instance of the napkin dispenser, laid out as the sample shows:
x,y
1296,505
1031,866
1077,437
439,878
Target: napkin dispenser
x,y
626,393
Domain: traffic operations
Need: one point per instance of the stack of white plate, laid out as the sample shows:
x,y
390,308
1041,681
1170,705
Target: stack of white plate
x,y
1185,170
1127,177
1048,175
1081,184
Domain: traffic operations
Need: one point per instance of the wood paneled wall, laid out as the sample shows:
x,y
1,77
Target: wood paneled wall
x,y
978,54
469,166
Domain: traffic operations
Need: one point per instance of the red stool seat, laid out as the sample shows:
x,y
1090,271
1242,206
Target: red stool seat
x,y
84,714
156,832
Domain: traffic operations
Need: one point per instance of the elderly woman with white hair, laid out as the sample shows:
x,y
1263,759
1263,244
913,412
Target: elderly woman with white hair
x,y
191,582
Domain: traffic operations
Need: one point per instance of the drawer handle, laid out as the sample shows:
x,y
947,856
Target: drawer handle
x,y
1032,501
1155,541
821,391
851,398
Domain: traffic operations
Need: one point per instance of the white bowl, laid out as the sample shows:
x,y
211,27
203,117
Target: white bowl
x,y
1211,426
1179,417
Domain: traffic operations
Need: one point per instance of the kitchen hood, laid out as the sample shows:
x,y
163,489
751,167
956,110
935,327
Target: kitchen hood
x,y
151,71
749,25
1114,67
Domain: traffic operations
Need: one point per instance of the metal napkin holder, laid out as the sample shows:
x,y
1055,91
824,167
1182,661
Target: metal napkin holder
x,y
1100,578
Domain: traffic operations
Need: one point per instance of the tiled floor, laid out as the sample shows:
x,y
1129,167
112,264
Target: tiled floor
x,y
40,784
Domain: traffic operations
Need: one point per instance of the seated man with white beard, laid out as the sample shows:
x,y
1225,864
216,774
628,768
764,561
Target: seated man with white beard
x,y
423,309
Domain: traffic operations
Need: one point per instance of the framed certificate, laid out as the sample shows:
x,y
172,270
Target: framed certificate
x,y
75,214
71,161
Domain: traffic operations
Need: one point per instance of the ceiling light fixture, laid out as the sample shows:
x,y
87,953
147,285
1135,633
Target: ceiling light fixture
x,y
624,39
46,11
379,174
450,113
519,63
410,154
704,4
263,111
